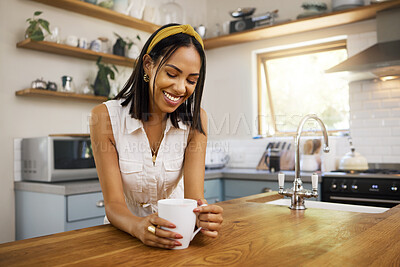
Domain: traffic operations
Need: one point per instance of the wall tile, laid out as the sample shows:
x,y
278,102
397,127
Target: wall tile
x,y
356,105
390,103
391,159
355,87
390,141
372,104
395,92
383,113
362,96
374,158
17,159
381,94
395,150
369,86
392,122
396,131
373,123
390,84
395,112
357,123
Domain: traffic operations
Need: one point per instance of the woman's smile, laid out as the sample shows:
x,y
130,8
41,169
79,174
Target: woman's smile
x,y
171,99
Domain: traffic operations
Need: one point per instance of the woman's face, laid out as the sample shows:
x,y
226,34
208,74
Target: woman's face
x,y
175,81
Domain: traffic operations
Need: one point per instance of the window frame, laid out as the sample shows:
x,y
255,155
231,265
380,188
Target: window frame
x,y
261,61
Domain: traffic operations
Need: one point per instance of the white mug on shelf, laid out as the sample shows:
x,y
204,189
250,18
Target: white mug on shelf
x,y
72,40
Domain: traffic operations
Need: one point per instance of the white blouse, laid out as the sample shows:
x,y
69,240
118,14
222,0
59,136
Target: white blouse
x,y
144,183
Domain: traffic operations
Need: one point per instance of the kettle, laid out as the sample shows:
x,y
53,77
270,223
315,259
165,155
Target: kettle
x,y
353,161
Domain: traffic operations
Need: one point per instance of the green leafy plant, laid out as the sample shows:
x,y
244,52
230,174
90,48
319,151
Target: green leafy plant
x,y
126,41
102,84
34,30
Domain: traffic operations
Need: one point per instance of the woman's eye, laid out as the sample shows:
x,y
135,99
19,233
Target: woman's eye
x,y
171,75
192,82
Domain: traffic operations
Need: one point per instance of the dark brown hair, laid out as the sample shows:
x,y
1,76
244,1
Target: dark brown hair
x,y
136,91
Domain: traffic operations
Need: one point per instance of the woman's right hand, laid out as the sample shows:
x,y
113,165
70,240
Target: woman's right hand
x,y
161,238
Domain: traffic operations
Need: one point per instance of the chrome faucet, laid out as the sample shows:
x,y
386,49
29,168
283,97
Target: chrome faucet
x,y
298,193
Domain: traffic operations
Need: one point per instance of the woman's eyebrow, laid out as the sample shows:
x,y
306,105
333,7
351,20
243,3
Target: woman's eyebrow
x,y
180,71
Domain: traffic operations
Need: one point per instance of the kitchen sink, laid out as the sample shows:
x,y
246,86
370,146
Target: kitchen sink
x,y
331,206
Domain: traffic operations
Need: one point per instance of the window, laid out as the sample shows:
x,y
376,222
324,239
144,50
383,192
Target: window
x,y
292,83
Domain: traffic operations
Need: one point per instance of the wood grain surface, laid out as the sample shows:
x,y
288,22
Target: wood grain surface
x,y
253,234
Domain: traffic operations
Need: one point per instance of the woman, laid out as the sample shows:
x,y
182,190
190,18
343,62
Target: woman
x,y
151,134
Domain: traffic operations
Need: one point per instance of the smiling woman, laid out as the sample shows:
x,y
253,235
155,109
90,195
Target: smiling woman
x,y
149,143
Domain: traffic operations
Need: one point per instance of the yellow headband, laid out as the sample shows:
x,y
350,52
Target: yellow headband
x,y
164,33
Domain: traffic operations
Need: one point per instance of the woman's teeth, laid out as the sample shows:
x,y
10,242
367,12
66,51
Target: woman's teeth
x,y
170,97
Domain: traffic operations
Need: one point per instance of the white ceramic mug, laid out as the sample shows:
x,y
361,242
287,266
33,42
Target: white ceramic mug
x,y
72,40
180,212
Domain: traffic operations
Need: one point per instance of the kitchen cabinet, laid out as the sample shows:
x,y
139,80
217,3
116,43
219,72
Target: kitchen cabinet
x,y
330,19
213,190
39,214
236,188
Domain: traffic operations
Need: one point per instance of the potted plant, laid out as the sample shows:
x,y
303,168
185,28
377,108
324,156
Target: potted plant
x,y
101,84
125,44
34,30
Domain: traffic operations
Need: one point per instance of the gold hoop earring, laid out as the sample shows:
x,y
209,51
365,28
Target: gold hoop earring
x,y
146,78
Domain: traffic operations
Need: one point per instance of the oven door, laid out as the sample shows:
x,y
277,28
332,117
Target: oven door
x,y
365,191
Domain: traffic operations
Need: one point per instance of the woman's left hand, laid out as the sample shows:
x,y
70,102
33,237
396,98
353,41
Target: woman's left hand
x,y
209,218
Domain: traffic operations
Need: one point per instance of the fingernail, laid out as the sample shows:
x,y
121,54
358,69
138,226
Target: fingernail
x,y
177,243
178,236
196,210
171,226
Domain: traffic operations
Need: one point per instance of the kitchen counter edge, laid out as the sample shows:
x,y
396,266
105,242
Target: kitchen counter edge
x,y
90,186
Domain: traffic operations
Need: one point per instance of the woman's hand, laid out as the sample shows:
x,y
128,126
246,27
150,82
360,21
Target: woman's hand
x,y
210,218
161,238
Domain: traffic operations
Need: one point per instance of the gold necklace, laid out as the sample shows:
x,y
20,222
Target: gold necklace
x,y
154,151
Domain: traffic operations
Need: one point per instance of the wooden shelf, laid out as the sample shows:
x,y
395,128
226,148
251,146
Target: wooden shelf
x,y
301,25
101,13
72,96
66,50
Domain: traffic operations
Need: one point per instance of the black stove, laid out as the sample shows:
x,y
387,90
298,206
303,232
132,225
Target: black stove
x,y
376,186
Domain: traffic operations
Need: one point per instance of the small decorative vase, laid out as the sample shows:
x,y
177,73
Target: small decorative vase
x,y
118,48
101,87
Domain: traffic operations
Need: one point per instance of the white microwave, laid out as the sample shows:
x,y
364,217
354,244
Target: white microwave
x,y
57,158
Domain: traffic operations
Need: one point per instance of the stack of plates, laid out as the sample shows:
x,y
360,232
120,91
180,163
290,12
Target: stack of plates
x,y
346,4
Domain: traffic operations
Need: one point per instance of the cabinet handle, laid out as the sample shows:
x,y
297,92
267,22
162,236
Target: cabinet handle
x,y
100,203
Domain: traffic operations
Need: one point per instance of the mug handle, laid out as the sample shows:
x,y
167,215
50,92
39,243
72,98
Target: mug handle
x,y
198,229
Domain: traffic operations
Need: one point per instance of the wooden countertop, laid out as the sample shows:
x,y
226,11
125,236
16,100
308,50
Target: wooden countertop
x,y
253,234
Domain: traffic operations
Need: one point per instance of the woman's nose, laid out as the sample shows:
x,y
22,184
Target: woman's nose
x,y
180,87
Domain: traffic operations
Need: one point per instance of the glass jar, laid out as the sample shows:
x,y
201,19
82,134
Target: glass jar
x,y
171,12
